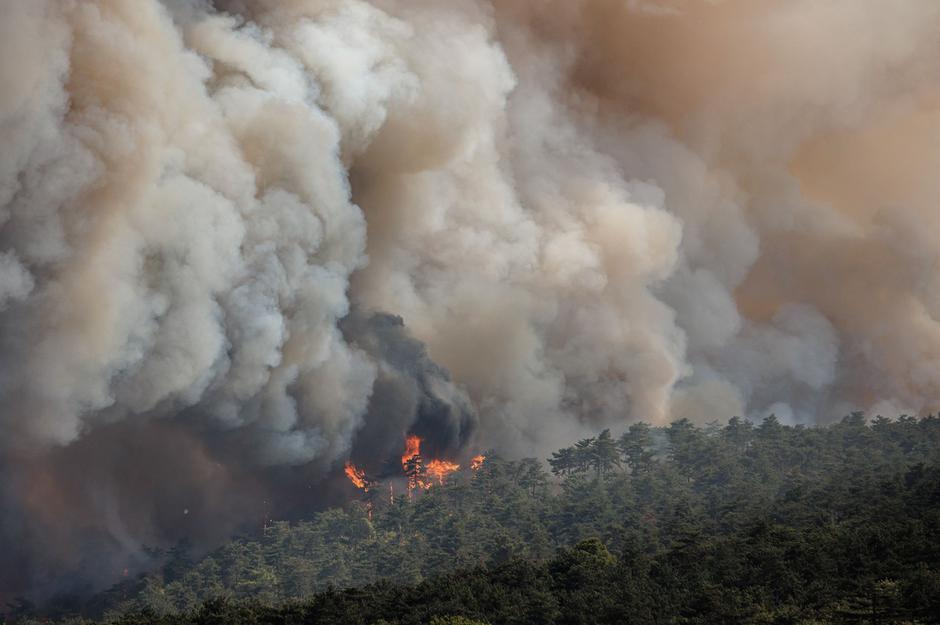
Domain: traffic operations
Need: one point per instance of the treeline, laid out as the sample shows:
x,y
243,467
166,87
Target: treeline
x,y
734,523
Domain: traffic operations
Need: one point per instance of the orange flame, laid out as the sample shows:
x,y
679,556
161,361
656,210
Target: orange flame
x,y
439,469
411,464
419,473
412,449
424,474
356,475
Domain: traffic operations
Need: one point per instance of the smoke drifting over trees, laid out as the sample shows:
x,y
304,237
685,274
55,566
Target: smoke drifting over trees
x,y
584,212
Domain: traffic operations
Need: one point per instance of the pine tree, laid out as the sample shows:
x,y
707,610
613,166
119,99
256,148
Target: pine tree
x,y
636,446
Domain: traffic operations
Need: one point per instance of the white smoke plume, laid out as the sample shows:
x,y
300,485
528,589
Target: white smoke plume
x,y
241,240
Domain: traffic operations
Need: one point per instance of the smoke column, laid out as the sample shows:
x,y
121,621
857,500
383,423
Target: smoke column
x,y
244,240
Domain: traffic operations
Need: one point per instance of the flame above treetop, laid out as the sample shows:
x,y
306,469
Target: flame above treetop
x,y
412,449
420,473
440,469
356,475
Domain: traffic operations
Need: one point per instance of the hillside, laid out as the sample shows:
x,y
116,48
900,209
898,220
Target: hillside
x,y
681,524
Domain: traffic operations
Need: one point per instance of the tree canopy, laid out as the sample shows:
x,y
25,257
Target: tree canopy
x,y
739,523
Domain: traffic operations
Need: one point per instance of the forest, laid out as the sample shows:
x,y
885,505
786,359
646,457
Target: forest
x,y
682,524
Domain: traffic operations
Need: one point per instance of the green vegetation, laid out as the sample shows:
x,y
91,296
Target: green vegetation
x,y
680,525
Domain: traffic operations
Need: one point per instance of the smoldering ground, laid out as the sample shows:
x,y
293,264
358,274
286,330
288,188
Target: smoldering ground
x,y
548,216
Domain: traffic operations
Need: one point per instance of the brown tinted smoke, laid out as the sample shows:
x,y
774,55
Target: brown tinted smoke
x,y
241,241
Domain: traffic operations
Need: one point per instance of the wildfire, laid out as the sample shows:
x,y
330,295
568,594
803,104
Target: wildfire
x,y
357,476
419,473
439,469
412,449
412,464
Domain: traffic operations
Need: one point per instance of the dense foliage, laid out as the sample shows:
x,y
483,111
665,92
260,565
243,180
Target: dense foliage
x,y
721,524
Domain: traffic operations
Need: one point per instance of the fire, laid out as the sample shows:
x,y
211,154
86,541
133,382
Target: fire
x,y
412,449
420,473
412,464
439,469
356,475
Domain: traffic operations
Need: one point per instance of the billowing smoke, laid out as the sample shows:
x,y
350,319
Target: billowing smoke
x,y
244,240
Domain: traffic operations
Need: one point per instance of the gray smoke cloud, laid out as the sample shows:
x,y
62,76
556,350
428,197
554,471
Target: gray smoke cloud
x,y
242,241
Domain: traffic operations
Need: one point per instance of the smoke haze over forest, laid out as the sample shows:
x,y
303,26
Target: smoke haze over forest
x,y
244,241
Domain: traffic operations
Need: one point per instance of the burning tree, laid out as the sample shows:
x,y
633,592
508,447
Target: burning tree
x,y
418,471
440,469
357,476
359,479
413,465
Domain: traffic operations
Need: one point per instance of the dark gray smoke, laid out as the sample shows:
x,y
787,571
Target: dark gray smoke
x,y
586,211
410,395
78,515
